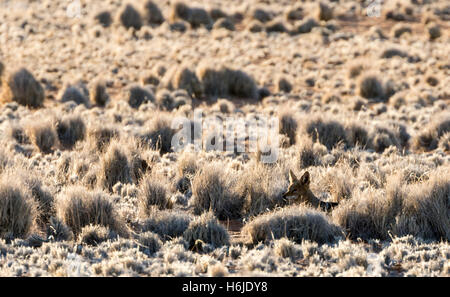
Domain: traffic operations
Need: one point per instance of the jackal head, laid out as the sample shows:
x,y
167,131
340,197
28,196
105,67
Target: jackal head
x,y
297,187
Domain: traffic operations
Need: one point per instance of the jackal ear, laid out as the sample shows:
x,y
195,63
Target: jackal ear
x,y
305,179
292,177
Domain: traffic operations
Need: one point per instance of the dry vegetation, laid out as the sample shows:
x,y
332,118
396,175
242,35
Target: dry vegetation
x,y
91,185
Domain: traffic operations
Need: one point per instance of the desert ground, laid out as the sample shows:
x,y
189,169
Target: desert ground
x,y
348,100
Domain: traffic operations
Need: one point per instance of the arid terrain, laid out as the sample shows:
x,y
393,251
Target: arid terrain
x,y
315,138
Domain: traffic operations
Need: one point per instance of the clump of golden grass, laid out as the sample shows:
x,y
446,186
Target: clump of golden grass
x,y
306,26
18,133
434,31
328,132
217,270
43,198
58,231
276,26
428,138
78,207
70,129
383,136
222,82
261,187
225,23
42,135
114,167
104,18
370,87
98,93
160,133
444,142
324,12
165,100
18,209
288,125
130,17
393,52
20,86
419,209
216,13
261,15
212,190
149,242
138,95
195,16
168,224
99,137
287,249
152,13
94,235
297,223
207,229
425,207
399,29
309,153
283,85
184,78
152,192
357,134
225,105
255,26
186,168
78,93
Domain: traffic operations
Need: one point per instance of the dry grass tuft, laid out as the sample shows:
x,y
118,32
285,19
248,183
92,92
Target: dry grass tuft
x,y
212,189
78,207
261,187
130,17
284,85
18,209
153,14
20,86
99,137
42,135
94,235
309,153
167,224
370,87
195,16
58,231
207,229
324,12
152,192
44,199
419,209
224,82
425,209
149,243
444,142
104,18
160,133
261,15
287,249
76,93
327,131
428,138
138,95
114,167
288,125
98,93
297,223
70,129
